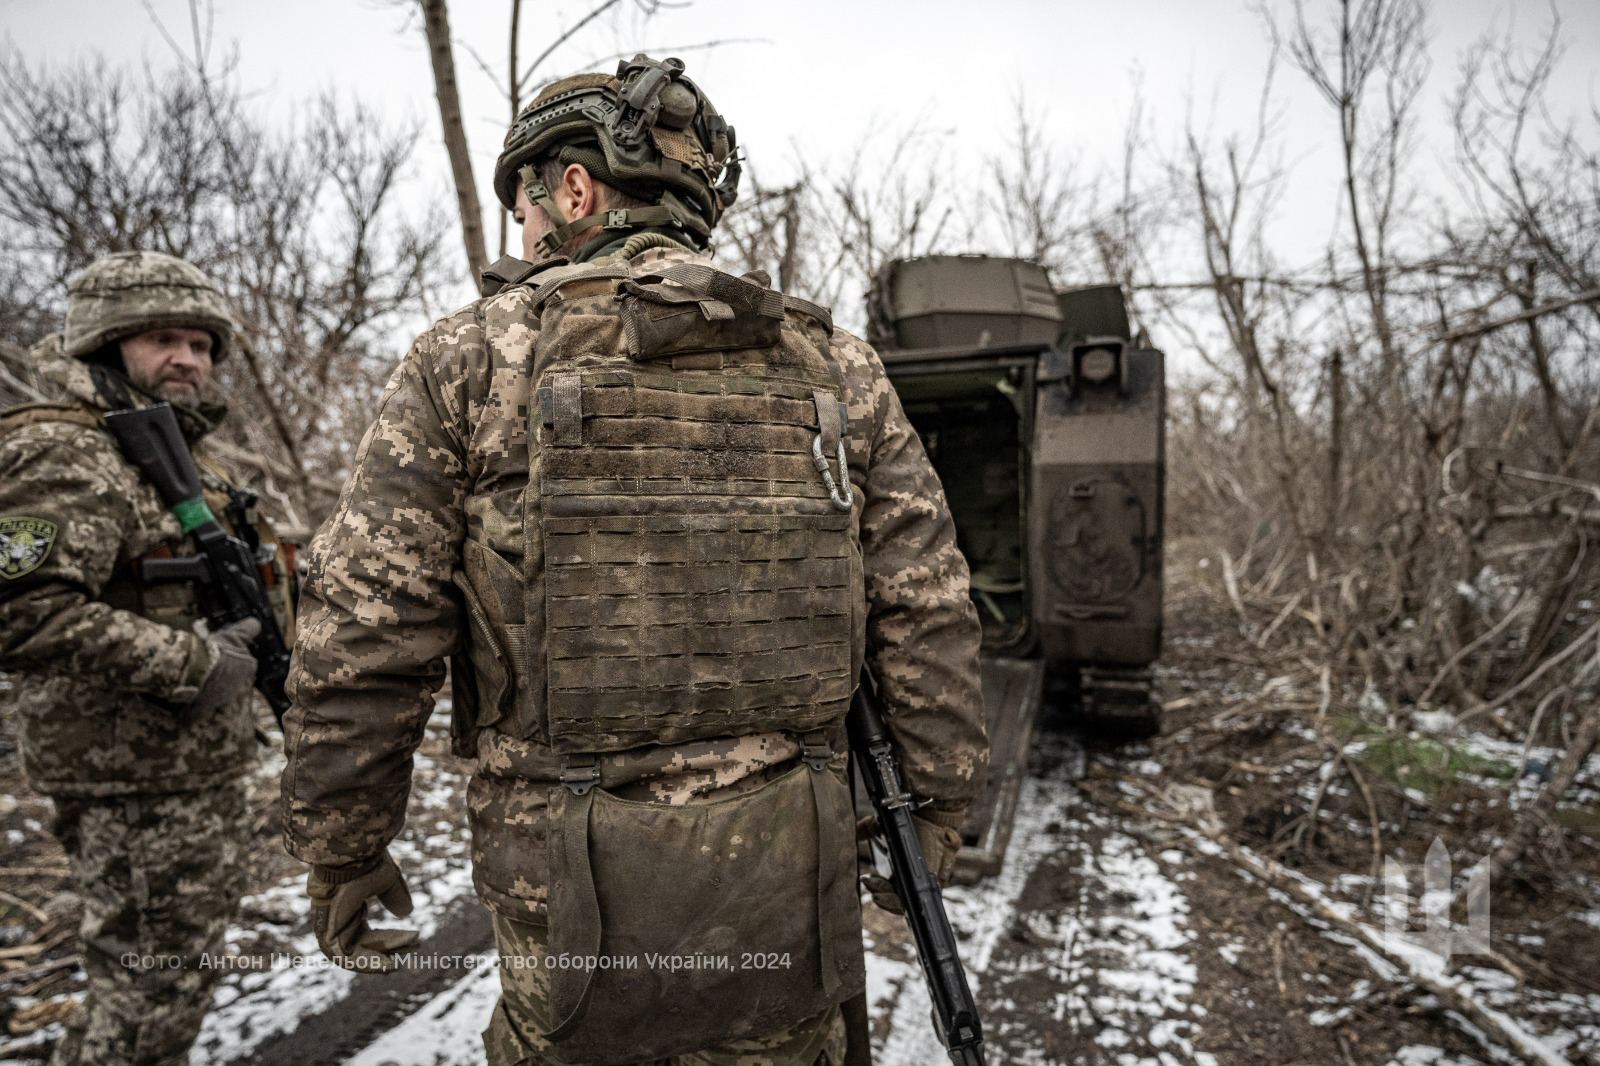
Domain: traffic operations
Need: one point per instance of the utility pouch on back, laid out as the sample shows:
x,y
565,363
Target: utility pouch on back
x,y
699,924
705,311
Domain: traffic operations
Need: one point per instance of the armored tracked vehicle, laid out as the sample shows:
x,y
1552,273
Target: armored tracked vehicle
x,y
1045,421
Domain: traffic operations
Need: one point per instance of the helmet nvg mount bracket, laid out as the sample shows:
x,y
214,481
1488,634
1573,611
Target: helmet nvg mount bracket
x,y
648,131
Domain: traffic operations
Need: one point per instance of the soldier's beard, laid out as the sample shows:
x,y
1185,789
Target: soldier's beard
x,y
178,390
184,393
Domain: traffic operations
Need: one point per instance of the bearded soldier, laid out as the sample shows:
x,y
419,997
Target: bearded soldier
x,y
136,725
656,516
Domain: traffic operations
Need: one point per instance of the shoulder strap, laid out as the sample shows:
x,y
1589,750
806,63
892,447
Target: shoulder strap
x,y
505,272
816,311
553,279
32,414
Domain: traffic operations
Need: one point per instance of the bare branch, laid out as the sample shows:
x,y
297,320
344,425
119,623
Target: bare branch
x,y
561,39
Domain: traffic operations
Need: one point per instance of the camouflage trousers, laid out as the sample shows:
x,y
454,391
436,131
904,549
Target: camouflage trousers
x,y
161,877
512,1038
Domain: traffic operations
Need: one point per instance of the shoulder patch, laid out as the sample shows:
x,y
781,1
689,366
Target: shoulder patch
x,y
24,543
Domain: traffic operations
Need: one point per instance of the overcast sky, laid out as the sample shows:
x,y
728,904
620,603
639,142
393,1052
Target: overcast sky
x,y
818,77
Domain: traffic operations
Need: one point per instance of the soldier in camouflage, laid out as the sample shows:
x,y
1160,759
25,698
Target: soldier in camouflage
x,y
139,728
606,495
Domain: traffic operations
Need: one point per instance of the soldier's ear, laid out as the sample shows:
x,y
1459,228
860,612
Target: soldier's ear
x,y
579,194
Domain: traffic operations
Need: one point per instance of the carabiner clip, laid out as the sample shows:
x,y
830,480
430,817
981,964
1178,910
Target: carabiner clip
x,y
845,502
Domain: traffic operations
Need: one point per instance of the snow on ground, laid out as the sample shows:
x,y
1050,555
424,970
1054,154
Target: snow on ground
x,y
1493,990
1109,959
1146,991
1570,1021
445,1031
980,914
254,1005
1416,1055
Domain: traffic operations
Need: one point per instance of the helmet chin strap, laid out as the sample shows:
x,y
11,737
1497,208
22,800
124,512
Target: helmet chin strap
x,y
619,219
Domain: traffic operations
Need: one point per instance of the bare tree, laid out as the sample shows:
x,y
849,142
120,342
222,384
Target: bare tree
x,y
1373,39
1041,207
765,230
302,228
441,56
1412,425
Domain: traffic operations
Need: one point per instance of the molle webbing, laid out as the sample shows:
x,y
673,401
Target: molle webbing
x,y
699,584
699,580
619,433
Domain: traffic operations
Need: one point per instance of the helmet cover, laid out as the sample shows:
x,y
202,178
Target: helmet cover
x,y
127,293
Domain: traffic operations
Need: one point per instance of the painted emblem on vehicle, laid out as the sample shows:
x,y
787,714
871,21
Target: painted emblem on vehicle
x,y
1099,533
24,542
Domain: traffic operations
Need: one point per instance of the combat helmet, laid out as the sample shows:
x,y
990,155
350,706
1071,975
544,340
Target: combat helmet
x,y
125,293
649,132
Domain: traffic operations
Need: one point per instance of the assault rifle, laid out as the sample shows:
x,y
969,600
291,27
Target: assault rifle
x,y
226,567
955,1015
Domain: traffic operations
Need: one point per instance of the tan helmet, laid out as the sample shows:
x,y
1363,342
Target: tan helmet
x,y
119,295
648,132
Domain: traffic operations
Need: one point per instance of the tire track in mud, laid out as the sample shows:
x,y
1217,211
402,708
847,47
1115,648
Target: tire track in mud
x,y
1096,965
1075,949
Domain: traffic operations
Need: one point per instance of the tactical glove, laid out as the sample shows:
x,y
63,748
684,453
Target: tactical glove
x,y
233,668
940,844
339,896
